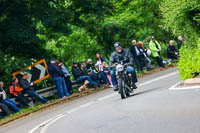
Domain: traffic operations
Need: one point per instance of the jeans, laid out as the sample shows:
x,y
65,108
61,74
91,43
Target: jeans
x,y
83,78
11,103
33,93
148,63
68,84
61,87
104,77
129,69
94,77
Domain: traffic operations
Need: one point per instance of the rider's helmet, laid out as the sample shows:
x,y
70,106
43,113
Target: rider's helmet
x,y
117,45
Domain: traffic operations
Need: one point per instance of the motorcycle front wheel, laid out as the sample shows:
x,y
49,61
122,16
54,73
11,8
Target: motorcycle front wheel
x,y
121,88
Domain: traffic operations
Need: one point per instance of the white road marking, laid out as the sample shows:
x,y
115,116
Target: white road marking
x,y
183,88
47,123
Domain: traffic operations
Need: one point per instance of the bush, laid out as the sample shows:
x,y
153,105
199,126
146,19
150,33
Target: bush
x,y
189,62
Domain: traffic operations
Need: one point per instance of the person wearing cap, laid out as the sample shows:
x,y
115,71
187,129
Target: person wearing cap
x,y
92,71
156,49
134,50
58,78
124,55
143,56
172,52
80,76
29,89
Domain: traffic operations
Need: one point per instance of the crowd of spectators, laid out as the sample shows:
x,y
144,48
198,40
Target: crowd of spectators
x,y
95,72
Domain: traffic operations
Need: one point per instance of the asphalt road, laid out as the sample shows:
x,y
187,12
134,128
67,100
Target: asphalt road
x,y
153,108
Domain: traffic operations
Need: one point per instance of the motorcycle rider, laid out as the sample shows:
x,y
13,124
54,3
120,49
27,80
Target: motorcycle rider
x,y
121,54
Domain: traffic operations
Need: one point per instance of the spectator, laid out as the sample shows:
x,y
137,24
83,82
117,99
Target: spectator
x,y
84,68
4,110
29,89
7,101
156,49
66,76
92,71
16,91
143,56
58,78
180,42
107,72
172,52
80,76
99,65
134,50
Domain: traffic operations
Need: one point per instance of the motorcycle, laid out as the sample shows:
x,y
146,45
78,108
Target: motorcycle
x,y
124,79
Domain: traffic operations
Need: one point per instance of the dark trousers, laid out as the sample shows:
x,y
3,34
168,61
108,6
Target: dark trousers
x,y
22,99
172,56
138,64
69,84
4,110
159,61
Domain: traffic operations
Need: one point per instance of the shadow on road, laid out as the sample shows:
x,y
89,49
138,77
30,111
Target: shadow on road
x,y
143,92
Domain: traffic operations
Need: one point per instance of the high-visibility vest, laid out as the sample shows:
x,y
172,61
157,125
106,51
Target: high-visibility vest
x,y
15,89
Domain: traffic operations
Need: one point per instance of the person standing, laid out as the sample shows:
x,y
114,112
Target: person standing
x,y
66,76
29,89
58,78
136,55
7,101
156,49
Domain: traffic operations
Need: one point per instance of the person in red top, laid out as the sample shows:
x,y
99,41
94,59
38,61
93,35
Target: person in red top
x,y
16,91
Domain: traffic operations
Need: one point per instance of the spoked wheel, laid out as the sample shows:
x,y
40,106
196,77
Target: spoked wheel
x,y
121,88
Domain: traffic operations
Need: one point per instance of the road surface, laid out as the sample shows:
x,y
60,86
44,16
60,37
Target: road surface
x,y
152,109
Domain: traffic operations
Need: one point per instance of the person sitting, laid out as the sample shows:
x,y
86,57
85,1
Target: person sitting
x,y
180,42
84,68
29,89
79,76
92,71
99,64
66,76
143,56
16,92
172,52
156,49
7,101
4,110
58,78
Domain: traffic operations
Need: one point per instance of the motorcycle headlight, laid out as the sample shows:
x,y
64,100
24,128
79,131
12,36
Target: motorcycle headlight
x,y
120,68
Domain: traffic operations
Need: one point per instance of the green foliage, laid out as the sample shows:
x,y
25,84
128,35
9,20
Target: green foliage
x,y
181,17
73,29
189,62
